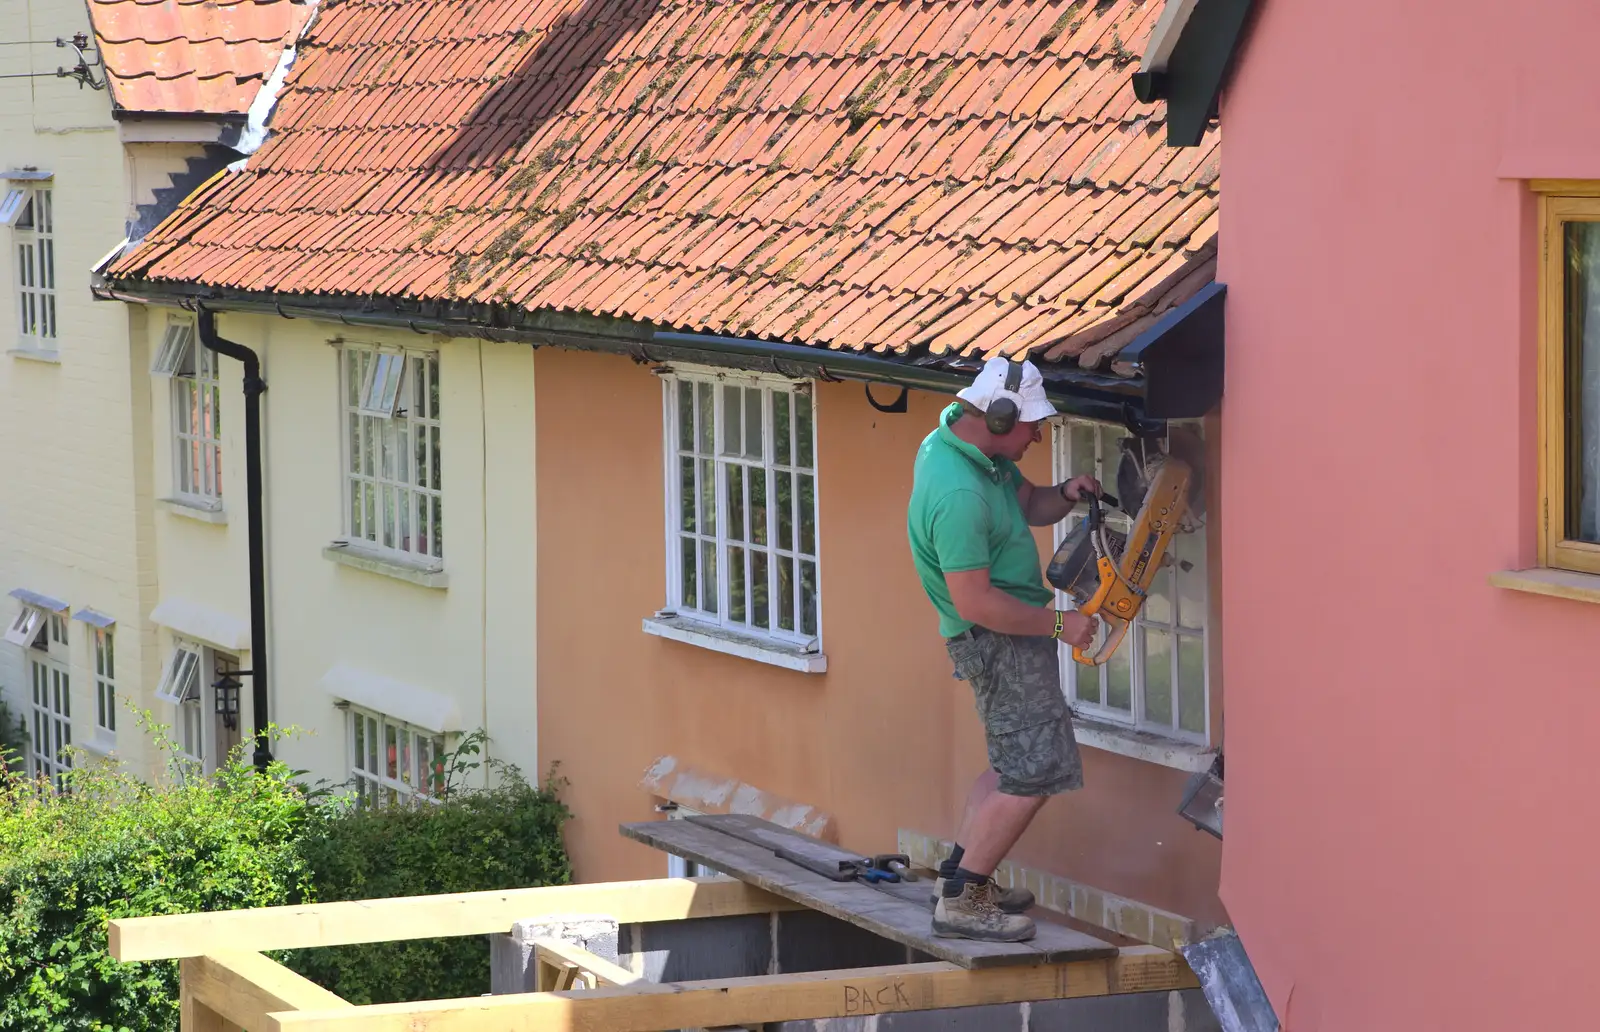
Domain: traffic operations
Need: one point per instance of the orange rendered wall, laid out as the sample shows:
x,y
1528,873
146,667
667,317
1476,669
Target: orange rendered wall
x,y
885,739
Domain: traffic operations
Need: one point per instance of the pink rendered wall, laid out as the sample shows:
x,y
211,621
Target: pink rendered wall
x,y
1412,779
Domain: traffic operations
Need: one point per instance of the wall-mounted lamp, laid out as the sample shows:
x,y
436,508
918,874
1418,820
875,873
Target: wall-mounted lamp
x,y
226,692
1202,799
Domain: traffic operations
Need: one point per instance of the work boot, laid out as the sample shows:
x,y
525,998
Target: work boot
x,y
974,915
1012,901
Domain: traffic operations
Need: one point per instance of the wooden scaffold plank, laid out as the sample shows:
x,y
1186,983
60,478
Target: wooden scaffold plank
x,y
175,936
651,1007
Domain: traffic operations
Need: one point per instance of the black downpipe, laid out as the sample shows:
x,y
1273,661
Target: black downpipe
x,y
254,386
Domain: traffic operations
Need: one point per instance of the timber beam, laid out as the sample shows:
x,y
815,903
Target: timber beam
x,y
175,936
657,1007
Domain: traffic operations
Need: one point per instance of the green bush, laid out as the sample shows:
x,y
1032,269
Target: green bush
x,y
504,837
116,847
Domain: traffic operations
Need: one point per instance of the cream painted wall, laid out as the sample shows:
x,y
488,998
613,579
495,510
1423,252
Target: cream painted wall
x,y
472,641
74,483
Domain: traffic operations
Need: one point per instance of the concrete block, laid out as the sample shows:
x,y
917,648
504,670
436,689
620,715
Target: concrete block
x,y
1133,1012
864,1024
1005,1017
511,967
813,941
709,947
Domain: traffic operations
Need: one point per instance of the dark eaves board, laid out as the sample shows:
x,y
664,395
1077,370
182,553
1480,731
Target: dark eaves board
x,y
742,846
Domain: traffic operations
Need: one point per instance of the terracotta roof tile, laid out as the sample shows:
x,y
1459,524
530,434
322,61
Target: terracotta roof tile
x,y
192,56
944,177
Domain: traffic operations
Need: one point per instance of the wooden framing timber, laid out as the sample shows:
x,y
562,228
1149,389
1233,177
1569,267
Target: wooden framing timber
x,y
658,1007
243,989
424,917
561,964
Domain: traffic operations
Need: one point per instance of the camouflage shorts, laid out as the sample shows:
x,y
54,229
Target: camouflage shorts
x,y
1017,683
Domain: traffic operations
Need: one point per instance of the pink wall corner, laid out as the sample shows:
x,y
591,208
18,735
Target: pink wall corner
x,y
1409,771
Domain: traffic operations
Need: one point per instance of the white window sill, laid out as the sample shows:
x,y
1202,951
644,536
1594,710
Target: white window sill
x,y
194,510
732,643
1580,587
386,565
1142,745
101,743
36,355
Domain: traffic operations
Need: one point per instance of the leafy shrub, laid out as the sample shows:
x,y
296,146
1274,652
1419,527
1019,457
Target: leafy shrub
x,y
504,837
115,847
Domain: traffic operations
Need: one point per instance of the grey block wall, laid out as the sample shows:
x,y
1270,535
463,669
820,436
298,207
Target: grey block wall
x,y
760,944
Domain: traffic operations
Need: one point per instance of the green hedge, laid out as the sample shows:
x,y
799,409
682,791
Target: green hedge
x,y
116,847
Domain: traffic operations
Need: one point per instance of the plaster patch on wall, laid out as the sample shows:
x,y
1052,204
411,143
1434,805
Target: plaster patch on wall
x,y
672,779
1107,910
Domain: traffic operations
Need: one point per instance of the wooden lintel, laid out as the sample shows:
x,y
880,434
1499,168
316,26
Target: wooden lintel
x,y
748,1001
425,917
243,988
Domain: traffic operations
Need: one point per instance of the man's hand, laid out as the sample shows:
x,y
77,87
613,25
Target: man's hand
x,y
1080,487
1078,630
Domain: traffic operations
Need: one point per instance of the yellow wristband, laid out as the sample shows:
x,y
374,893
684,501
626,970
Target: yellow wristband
x,y
1060,620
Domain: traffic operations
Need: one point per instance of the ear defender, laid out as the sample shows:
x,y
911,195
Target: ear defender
x,y
1001,415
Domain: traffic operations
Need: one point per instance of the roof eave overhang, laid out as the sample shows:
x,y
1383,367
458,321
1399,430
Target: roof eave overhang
x,y
1187,62
1173,357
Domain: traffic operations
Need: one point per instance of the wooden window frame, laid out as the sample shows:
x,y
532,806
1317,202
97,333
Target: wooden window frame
x,y
1560,202
393,502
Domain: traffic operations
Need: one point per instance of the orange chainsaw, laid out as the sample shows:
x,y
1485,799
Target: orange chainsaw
x,y
1107,573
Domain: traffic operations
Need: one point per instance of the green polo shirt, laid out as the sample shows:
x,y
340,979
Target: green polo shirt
x,y
964,515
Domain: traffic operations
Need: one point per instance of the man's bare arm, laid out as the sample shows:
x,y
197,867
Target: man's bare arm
x,y
1045,506
978,600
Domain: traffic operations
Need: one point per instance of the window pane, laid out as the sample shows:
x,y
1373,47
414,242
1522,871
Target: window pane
x,y
732,423
735,488
686,494
808,598
1086,683
1191,684
391,743
758,591
785,502
1080,445
736,593
690,595
433,389
360,749
808,515
708,497
1191,548
438,528
1119,678
1158,677
433,460
802,430
780,428
1158,604
708,580
785,589
758,506
1583,381
754,439
707,417
686,415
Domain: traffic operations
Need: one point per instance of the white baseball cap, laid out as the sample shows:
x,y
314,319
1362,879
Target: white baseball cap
x,y
989,386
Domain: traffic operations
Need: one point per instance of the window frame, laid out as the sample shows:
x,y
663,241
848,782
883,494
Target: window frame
x,y
103,648
49,671
1560,202
196,418
1134,718
375,787
424,499
33,254
673,454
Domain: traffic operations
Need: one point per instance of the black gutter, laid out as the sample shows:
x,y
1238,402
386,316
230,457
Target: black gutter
x,y
254,386
1078,392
